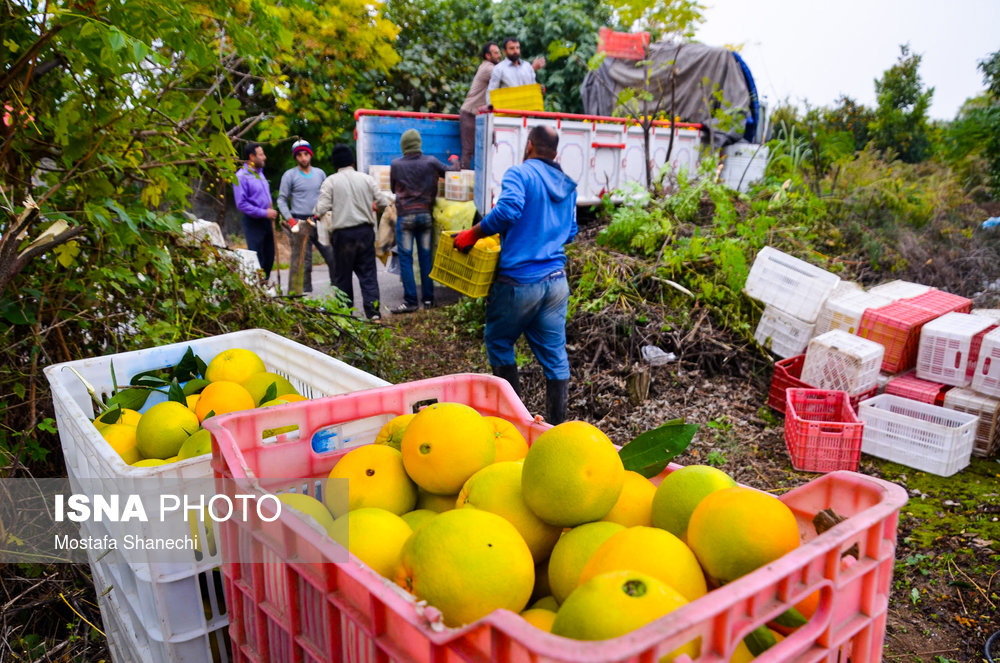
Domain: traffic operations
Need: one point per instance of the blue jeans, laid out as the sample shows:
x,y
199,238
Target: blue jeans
x,y
409,228
537,310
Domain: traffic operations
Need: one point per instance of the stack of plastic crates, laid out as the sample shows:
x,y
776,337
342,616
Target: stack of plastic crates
x,y
986,408
949,348
908,385
986,378
896,290
168,611
822,432
941,303
897,328
841,361
844,311
341,611
788,375
919,435
469,273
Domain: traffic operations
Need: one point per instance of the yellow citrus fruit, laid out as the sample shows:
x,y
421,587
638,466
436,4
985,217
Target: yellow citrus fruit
x,y
436,503
271,432
510,444
653,551
572,552
392,432
375,536
126,416
310,506
222,397
121,437
468,563
635,503
163,428
375,478
192,401
680,492
613,604
149,462
444,445
540,618
293,398
234,365
546,603
258,384
736,530
418,517
497,488
572,475
199,444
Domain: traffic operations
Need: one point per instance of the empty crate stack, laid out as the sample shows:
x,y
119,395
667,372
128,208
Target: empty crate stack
x,y
912,342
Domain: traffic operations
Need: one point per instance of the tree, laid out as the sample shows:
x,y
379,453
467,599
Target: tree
x,y
989,117
900,122
660,17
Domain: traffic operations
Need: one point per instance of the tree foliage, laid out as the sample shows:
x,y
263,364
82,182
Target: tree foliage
x,y
900,122
660,17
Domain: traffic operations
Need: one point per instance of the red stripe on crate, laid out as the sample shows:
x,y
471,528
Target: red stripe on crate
x,y
908,385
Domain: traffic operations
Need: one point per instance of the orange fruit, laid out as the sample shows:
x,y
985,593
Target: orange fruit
x,y
510,444
163,428
635,503
125,416
652,551
309,506
572,552
234,365
467,563
736,530
613,604
122,439
572,475
497,488
375,478
222,397
392,432
258,384
540,618
375,536
436,503
444,445
680,492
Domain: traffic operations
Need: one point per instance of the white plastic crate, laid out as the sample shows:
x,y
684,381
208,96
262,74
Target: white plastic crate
x,y
151,581
919,435
131,642
782,333
790,284
988,411
991,313
986,378
844,310
881,381
743,164
896,290
839,361
946,344
459,185
381,175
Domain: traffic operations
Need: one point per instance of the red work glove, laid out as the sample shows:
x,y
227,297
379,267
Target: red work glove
x,y
465,240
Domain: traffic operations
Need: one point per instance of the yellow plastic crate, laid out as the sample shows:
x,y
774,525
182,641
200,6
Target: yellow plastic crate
x,y
469,273
521,97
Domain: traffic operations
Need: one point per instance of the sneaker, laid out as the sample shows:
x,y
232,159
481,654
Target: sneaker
x,y
405,308
428,303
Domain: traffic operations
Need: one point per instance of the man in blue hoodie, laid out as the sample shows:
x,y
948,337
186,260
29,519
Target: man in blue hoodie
x,y
535,216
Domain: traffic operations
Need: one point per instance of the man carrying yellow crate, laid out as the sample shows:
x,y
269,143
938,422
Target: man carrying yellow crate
x,y
513,71
535,216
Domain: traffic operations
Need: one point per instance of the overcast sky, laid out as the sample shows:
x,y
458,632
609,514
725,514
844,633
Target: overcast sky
x,y
816,51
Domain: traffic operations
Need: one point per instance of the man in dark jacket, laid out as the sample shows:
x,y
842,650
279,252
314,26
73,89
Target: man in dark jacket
x,y
535,216
414,179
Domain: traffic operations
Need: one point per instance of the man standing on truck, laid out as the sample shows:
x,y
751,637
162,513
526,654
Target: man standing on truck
x,y
414,179
475,100
297,195
253,197
513,71
535,216
350,198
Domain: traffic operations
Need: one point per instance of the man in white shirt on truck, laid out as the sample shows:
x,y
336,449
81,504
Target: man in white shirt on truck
x,y
513,71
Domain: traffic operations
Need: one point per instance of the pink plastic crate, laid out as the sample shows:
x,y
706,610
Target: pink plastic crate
x,y
940,302
344,612
822,433
897,327
908,385
947,345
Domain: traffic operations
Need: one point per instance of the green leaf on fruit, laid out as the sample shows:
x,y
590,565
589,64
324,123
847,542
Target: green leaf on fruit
x,y
187,368
270,394
649,453
133,399
176,393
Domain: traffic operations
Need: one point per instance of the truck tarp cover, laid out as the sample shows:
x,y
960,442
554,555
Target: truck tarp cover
x,y
699,67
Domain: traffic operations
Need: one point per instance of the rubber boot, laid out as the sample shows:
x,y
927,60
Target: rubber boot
x,y
556,395
509,373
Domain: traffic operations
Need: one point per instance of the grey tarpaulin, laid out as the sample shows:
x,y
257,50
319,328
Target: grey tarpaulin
x,y
698,65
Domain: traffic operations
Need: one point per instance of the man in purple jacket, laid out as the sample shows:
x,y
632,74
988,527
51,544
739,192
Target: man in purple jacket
x,y
253,198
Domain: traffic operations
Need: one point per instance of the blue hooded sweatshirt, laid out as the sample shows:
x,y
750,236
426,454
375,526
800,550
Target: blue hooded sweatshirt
x,y
535,216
